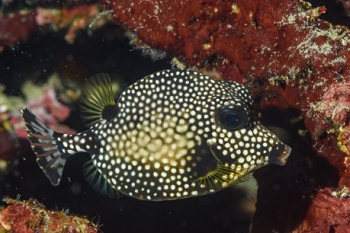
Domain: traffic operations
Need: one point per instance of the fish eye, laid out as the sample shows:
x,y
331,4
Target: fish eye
x,y
232,118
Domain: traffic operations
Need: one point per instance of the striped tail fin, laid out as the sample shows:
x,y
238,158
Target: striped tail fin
x,y
47,146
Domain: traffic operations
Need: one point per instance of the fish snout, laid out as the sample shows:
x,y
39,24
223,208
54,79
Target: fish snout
x,y
279,154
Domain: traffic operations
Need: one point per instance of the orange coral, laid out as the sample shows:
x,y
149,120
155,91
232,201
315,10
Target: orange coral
x,y
30,216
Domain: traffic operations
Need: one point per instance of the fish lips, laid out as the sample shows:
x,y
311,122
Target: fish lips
x,y
279,154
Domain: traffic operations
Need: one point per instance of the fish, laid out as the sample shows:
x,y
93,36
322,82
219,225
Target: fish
x,y
173,134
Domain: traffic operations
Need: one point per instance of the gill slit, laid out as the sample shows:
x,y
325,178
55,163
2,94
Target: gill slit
x,y
213,153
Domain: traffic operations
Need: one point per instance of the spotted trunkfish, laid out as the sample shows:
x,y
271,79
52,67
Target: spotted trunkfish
x,y
173,134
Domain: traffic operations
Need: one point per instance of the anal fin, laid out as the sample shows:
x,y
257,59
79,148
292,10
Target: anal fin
x,y
98,182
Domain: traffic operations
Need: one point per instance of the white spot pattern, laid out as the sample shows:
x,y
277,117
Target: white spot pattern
x,y
167,135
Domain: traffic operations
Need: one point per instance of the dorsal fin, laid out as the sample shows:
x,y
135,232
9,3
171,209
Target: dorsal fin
x,y
97,100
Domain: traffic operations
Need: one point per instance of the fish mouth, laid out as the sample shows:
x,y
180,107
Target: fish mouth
x,y
279,154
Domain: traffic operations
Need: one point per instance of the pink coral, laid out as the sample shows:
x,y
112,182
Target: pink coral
x,y
74,18
48,109
18,26
335,104
48,102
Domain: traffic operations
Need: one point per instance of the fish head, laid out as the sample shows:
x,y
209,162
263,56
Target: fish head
x,y
238,140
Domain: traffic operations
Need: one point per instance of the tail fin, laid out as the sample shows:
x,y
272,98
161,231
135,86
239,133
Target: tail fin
x,y
48,149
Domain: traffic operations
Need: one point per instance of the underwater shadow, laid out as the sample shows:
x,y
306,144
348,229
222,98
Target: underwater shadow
x,y
286,193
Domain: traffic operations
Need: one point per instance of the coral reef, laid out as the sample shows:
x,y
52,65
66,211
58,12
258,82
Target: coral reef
x,y
44,103
291,61
282,51
74,19
15,27
18,25
30,216
328,213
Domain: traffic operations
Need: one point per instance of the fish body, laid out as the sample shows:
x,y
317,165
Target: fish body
x,y
173,134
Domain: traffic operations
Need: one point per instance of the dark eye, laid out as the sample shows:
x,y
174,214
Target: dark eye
x,y
232,118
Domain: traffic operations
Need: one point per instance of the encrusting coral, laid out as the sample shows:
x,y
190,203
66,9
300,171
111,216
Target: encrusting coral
x,y
30,216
